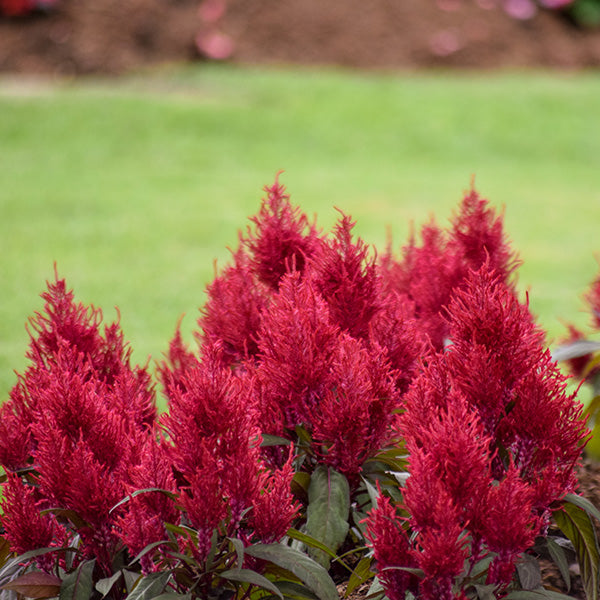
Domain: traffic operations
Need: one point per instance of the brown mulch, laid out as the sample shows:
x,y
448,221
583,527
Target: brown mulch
x,y
116,36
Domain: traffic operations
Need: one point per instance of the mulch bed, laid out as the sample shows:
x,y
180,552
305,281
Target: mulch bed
x,y
115,36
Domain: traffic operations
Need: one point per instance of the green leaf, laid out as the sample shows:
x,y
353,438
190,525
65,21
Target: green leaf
x,y
559,557
310,573
301,480
328,511
173,596
295,591
537,595
273,440
149,548
576,524
485,592
529,572
150,586
361,574
79,585
583,503
303,435
105,585
5,552
310,541
376,589
372,491
128,498
575,350
35,584
251,577
67,514
239,550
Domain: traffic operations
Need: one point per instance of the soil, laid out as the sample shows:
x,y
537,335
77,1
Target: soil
x,y
115,36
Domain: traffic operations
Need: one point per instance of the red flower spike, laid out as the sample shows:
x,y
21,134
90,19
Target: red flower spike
x,y
441,556
552,442
145,514
282,240
347,279
355,417
232,313
274,508
391,549
507,524
25,528
204,503
431,274
297,345
428,395
213,406
395,329
452,447
16,442
179,362
65,324
477,237
495,343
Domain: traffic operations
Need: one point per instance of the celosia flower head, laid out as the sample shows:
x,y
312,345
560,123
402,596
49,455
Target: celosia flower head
x,y
355,416
25,528
83,413
282,239
477,236
297,343
391,549
231,316
347,278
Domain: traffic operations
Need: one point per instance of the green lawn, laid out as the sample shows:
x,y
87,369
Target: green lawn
x,y
134,187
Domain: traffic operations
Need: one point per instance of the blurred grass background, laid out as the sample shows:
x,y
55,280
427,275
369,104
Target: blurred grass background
x,y
135,187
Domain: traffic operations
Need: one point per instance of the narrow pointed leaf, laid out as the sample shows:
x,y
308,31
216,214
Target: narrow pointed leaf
x,y
310,573
575,350
239,549
35,584
295,591
310,541
105,585
585,504
251,577
273,440
328,511
529,572
173,596
540,594
559,557
361,574
576,524
372,491
79,585
128,498
149,548
149,587
485,592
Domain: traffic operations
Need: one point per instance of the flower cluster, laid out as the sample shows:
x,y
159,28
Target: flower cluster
x,y
91,467
308,318
313,356
493,440
74,424
430,273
